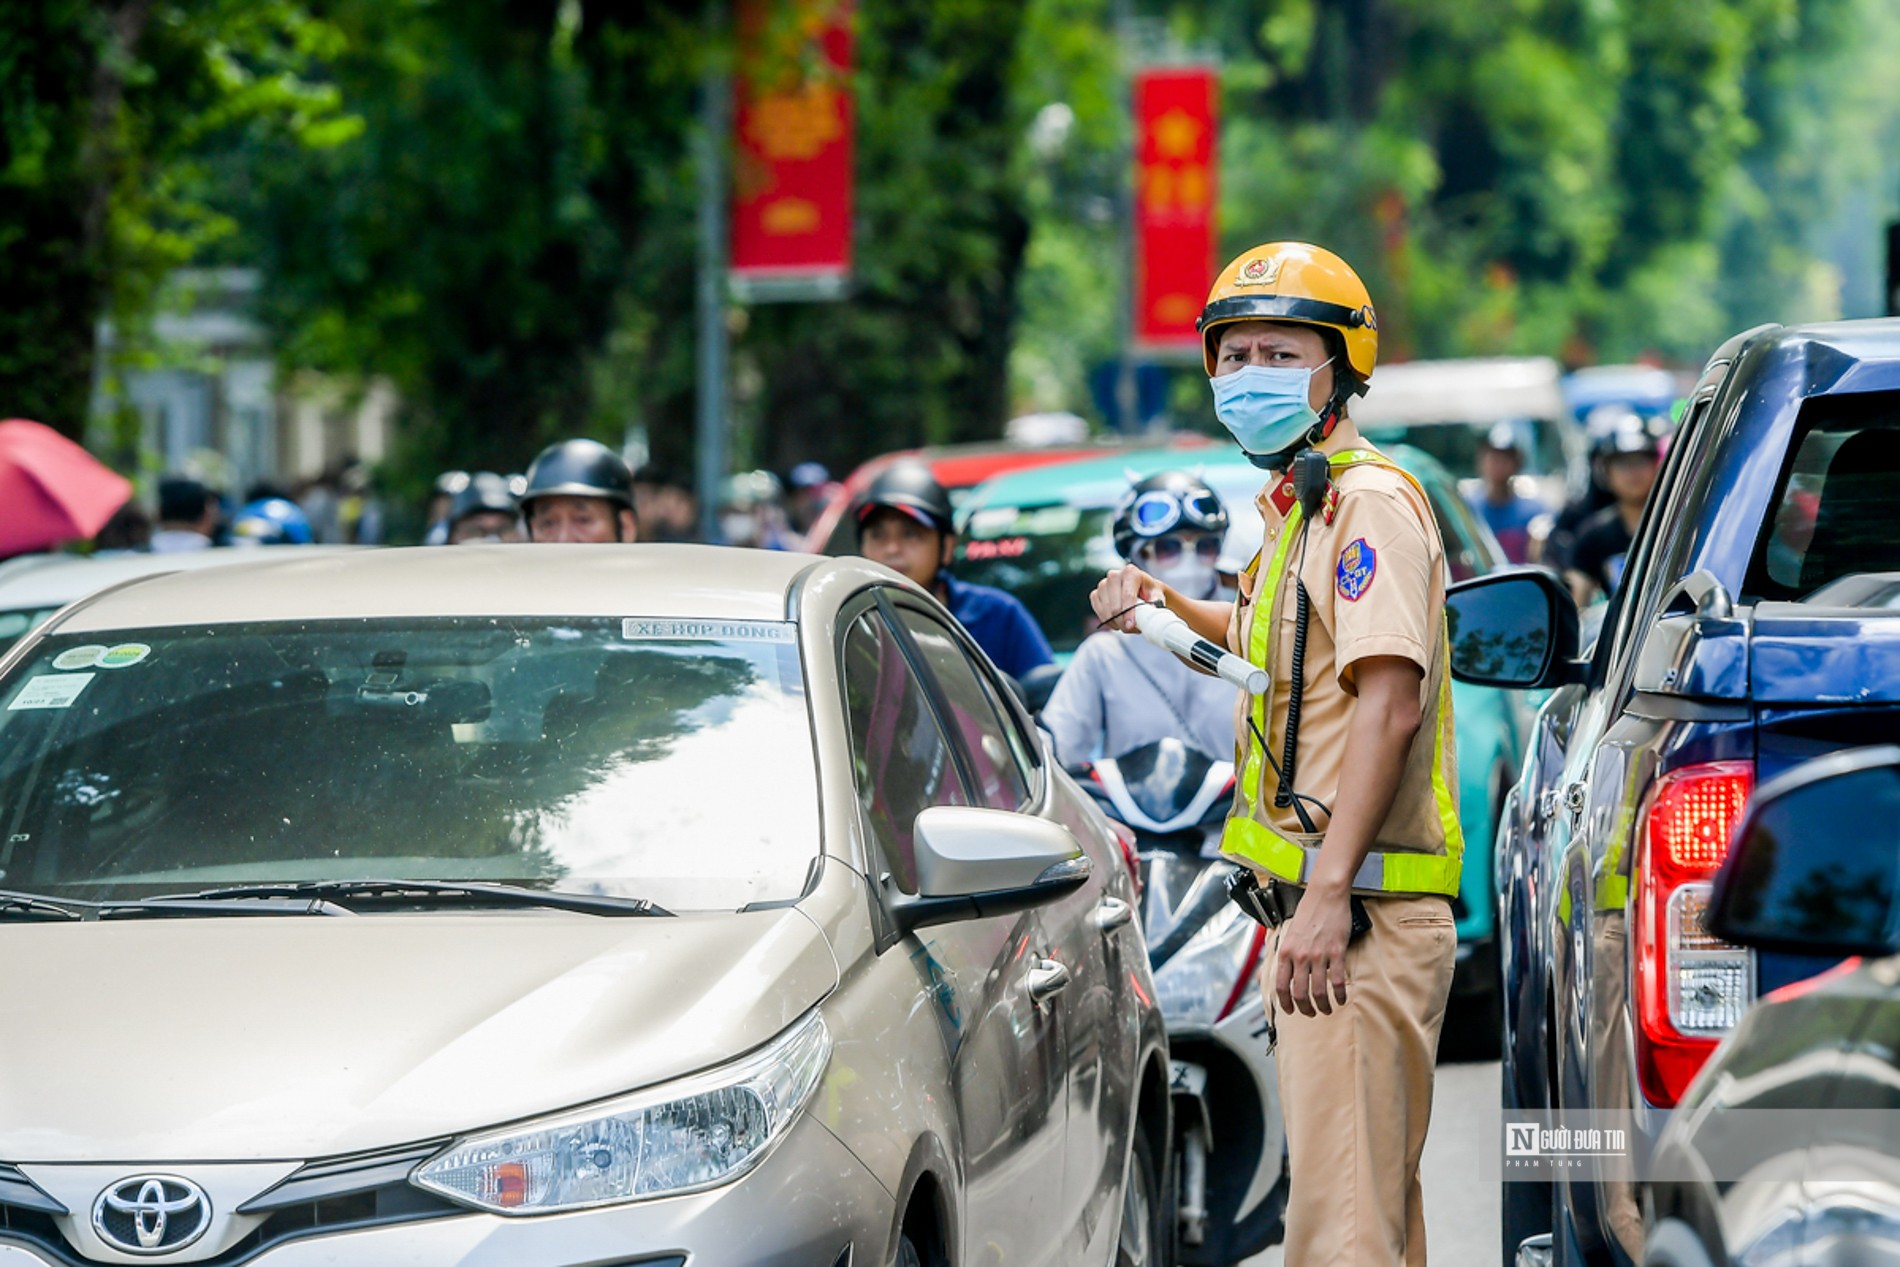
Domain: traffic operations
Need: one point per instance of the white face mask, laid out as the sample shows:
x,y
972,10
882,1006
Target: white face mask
x,y
1188,576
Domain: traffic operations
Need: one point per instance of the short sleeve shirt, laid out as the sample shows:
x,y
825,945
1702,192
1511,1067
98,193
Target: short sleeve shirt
x,y
1375,581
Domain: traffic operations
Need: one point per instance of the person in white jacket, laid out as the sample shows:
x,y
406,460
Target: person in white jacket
x,y
1121,693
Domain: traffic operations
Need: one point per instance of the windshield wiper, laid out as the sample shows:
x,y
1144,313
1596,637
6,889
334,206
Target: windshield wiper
x,y
28,906
344,892
32,906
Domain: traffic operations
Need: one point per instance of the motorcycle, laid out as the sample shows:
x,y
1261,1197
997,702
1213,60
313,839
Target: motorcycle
x,y
1229,1143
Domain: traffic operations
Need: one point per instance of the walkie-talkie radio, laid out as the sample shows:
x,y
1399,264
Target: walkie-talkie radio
x,y
1312,475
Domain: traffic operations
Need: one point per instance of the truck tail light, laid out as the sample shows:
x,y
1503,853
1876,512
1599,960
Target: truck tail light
x,y
1691,986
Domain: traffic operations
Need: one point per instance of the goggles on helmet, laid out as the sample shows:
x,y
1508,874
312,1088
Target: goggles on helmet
x,y
1158,511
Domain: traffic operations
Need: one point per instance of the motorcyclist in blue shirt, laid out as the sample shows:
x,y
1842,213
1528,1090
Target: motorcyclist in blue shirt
x,y
1508,513
904,522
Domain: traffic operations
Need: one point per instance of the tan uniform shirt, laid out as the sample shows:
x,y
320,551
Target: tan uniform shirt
x,y
1375,578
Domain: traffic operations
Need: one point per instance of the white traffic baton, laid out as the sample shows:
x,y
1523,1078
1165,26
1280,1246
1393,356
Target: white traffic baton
x,y
1165,629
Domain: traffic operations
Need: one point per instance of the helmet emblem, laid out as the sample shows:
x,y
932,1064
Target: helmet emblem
x,y
1368,318
151,1214
1259,272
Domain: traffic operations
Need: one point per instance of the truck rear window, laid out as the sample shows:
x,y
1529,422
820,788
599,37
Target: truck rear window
x,y
1836,511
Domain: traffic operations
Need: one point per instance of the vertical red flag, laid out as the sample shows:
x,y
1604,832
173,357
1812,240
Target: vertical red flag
x,y
792,171
1175,167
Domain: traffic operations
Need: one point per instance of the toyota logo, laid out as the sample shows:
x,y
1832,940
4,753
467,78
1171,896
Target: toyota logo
x,y
151,1214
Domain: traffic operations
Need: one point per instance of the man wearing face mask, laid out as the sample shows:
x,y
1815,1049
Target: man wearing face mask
x,y
1345,805
1120,693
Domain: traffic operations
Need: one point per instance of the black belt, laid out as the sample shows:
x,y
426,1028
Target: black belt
x,y
1274,902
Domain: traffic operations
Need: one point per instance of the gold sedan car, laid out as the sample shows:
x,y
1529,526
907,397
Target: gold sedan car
x,y
557,905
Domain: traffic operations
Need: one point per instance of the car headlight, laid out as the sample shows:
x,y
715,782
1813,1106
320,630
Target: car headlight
x,y
683,1136
1206,977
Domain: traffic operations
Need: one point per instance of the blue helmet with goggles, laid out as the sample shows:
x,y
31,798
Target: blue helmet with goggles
x,y
1163,504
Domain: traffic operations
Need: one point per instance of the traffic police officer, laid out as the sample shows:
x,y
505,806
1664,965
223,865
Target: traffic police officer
x,y
1344,805
579,491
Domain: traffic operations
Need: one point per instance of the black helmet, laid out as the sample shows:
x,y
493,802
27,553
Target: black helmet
x,y
486,491
911,488
579,468
1163,503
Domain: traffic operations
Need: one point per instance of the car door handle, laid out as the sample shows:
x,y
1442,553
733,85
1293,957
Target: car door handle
x,y
1574,801
1112,913
1047,979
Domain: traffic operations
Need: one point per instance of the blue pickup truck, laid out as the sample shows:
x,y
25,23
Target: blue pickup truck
x,y
1751,631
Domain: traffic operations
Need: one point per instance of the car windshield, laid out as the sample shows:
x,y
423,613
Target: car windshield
x,y
1836,510
1050,557
586,756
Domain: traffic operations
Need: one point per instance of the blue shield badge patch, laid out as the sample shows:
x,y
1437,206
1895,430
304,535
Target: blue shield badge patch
x,y
1358,564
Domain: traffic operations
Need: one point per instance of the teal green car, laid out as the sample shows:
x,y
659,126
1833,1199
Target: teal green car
x,y
1043,535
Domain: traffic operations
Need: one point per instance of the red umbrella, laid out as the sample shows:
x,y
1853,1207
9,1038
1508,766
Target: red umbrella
x,y
51,490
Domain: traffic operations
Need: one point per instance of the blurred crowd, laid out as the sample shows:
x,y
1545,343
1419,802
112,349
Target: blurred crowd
x,y
342,507
583,491
1588,538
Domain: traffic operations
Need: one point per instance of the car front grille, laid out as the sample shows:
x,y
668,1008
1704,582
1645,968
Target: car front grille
x,y
335,1194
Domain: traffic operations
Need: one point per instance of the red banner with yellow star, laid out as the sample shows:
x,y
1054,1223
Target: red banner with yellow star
x,y
793,148
1176,163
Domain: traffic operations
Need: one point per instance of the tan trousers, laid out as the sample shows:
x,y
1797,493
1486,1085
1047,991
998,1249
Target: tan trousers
x,y
1356,1091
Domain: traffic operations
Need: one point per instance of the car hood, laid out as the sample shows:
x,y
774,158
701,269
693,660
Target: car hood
x,y
253,1038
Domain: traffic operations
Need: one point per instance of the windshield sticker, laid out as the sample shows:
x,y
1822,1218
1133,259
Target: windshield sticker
x,y
85,657
634,629
50,690
124,656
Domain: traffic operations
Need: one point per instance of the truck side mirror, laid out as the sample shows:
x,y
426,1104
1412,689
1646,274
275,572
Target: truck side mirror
x,y
1815,865
1516,627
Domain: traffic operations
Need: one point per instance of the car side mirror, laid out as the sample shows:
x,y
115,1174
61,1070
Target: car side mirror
x,y
974,862
1516,627
1814,868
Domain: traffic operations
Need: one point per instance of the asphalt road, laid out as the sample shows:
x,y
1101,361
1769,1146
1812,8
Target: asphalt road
x,y
1461,1210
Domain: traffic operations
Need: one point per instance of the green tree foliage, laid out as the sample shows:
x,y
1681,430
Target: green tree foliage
x,y
492,203
1587,179
475,242
511,239
106,113
920,351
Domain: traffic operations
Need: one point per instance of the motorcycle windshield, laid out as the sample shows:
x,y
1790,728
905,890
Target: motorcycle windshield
x,y
1164,777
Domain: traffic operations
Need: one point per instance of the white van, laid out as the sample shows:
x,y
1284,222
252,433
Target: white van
x,y
1448,407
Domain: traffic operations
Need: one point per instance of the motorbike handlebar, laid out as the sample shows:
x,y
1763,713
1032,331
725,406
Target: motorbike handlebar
x,y
1165,629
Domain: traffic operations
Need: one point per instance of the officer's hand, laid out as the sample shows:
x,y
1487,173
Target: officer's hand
x,y
1118,594
1312,958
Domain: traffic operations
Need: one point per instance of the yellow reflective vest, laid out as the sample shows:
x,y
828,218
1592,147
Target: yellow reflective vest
x,y
1249,838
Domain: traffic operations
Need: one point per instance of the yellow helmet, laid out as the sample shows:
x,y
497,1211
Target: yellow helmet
x,y
1298,283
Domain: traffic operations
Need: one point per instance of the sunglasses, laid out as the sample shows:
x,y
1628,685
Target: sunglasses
x,y
1167,550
